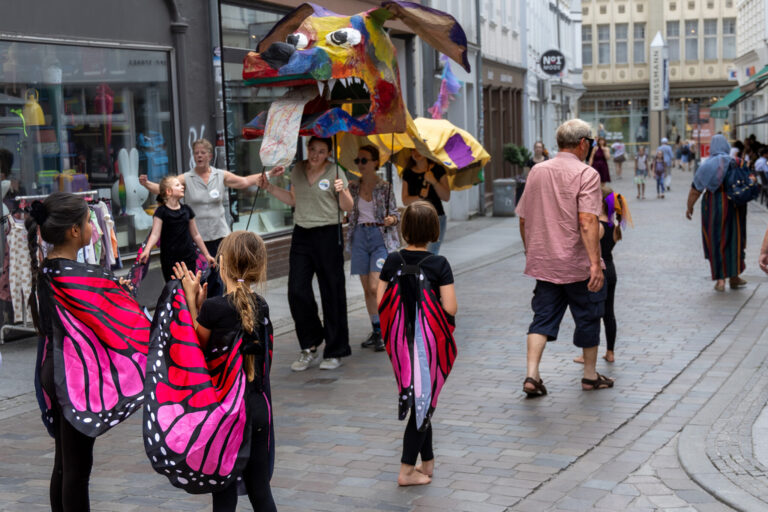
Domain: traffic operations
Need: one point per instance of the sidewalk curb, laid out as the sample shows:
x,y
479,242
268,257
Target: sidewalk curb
x,y
706,450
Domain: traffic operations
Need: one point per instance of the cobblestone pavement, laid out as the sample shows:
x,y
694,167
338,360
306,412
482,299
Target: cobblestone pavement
x,y
338,438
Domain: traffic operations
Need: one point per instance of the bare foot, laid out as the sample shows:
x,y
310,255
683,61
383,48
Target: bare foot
x,y
579,359
608,356
426,467
409,476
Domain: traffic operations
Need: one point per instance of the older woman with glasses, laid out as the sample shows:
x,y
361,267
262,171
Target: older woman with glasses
x,y
371,235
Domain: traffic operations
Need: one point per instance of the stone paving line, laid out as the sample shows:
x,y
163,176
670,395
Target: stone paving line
x,y
338,439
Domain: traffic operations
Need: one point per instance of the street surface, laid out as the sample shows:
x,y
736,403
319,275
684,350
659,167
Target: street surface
x,y
675,433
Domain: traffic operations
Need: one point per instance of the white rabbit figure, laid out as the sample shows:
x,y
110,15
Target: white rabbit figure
x,y
135,194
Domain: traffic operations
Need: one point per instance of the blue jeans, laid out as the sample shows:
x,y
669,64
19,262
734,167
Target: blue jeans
x,y
659,185
434,247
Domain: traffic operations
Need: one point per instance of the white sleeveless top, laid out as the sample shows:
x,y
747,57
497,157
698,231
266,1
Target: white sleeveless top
x,y
207,201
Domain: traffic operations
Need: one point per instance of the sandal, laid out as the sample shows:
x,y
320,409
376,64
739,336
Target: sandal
x,y
538,385
737,282
601,382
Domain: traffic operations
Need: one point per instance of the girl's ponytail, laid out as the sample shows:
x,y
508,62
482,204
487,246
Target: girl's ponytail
x,y
243,301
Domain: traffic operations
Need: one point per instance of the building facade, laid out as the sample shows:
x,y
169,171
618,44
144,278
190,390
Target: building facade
x,y
503,72
616,34
550,100
752,57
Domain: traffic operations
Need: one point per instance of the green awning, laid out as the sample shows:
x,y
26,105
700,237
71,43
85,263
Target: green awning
x,y
719,110
759,76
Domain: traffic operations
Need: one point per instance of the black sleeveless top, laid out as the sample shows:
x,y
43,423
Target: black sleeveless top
x,y
607,242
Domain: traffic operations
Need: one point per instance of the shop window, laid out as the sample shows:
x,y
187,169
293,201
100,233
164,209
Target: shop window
x,y
242,28
673,40
586,45
638,46
621,31
729,38
68,111
710,39
692,40
603,44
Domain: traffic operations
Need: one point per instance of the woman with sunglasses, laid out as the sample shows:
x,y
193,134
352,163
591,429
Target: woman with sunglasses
x,y
371,235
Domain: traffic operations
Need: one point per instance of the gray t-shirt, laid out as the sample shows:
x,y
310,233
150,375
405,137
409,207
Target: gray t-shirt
x,y
316,204
207,200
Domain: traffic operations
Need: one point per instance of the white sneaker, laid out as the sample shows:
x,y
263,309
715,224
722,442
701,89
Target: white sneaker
x,y
330,363
305,360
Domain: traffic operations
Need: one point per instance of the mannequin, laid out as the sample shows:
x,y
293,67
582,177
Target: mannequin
x,y
135,194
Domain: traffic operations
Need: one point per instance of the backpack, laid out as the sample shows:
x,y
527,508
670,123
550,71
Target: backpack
x,y
685,150
429,338
739,187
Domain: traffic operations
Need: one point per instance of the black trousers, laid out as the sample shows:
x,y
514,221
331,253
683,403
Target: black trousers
x,y
415,443
609,318
215,287
256,473
316,251
72,465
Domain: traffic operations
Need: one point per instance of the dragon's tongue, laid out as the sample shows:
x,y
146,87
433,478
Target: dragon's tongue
x,y
281,132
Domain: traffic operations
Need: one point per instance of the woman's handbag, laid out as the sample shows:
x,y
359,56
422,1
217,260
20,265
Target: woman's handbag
x,y
739,187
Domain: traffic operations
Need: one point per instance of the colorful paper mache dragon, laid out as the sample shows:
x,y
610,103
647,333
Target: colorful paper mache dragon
x,y
343,69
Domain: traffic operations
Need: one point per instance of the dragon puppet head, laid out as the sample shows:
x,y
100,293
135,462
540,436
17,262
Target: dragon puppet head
x,y
343,69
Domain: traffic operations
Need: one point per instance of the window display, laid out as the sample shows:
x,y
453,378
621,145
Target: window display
x,y
68,112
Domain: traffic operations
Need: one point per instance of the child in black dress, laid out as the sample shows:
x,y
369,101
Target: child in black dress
x,y
174,225
243,263
420,226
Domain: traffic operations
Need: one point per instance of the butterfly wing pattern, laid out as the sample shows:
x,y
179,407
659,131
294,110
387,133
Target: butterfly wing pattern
x,y
195,412
421,354
99,344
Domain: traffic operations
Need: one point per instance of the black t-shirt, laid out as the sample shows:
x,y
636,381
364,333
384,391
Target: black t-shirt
x,y
607,243
436,269
416,184
219,315
175,237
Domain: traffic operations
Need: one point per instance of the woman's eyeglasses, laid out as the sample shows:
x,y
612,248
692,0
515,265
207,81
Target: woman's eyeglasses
x,y
361,161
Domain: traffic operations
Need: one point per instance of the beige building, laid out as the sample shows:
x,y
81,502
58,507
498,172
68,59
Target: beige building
x,y
616,36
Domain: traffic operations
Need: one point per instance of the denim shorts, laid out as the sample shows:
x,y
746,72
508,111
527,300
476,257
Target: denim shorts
x,y
367,249
549,303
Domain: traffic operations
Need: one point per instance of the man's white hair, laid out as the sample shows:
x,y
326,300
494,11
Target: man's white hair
x,y
570,133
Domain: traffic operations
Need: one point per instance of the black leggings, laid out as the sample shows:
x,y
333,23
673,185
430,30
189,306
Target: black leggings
x,y
256,473
415,443
609,318
71,467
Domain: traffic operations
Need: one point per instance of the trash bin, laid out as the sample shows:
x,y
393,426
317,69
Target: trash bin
x,y
504,190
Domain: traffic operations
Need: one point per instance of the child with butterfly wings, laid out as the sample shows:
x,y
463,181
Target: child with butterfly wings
x,y
208,417
93,345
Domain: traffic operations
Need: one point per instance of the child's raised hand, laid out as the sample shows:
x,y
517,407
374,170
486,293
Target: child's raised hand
x,y
189,280
202,293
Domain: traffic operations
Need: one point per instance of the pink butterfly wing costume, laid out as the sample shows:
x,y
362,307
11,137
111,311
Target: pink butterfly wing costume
x,y
196,422
93,349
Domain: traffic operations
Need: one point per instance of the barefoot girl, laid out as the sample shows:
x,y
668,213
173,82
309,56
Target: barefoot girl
x,y
417,302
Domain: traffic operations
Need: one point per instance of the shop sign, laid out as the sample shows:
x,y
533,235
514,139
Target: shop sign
x,y
659,74
552,62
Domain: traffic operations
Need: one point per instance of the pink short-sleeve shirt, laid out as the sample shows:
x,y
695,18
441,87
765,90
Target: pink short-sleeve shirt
x,y
556,191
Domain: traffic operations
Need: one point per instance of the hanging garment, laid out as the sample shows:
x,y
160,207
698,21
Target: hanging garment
x,y
20,276
93,353
5,284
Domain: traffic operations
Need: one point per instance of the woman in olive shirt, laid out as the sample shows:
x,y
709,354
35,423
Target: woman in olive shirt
x,y
316,249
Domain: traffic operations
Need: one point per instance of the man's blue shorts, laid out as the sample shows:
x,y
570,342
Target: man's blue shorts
x,y
587,308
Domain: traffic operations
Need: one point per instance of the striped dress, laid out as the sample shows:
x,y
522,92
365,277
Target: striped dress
x,y
724,234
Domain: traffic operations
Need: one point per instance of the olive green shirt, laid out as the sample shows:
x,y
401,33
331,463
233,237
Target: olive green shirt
x,y
316,204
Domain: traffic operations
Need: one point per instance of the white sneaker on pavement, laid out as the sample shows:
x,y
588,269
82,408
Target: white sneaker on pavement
x,y
330,363
305,360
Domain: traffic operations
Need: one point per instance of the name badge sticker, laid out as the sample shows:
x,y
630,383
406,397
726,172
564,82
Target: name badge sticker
x,y
324,184
214,194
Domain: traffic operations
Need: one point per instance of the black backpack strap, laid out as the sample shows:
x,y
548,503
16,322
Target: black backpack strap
x,y
413,269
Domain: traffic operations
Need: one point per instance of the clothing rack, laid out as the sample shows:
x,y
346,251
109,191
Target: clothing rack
x,y
43,196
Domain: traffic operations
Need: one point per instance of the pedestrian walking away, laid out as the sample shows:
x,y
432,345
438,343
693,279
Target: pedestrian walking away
x,y
371,234
417,303
615,214
669,159
205,191
723,223
660,170
317,192
80,310
559,227
216,343
175,227
641,171
599,160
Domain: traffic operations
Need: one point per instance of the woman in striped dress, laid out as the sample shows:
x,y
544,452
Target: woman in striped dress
x,y
723,226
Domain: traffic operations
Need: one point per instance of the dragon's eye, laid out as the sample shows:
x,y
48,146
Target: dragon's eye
x,y
298,40
344,37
